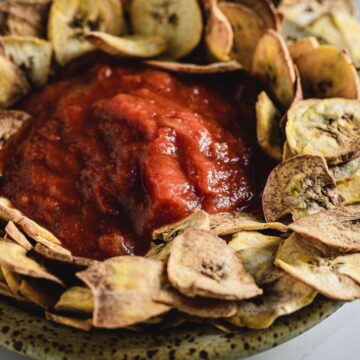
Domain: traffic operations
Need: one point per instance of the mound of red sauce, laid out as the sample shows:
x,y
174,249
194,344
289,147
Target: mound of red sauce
x,y
119,151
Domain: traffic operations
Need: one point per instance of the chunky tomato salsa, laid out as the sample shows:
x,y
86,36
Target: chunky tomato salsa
x,y
116,152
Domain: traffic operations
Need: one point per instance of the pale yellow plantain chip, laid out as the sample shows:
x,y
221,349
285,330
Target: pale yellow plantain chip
x,y
70,20
5,291
232,223
287,153
267,127
302,46
186,68
299,186
13,83
13,257
331,274
16,235
327,72
76,323
76,300
338,228
272,64
124,289
346,170
201,264
31,55
328,128
350,189
178,21
133,46
292,32
12,280
11,121
219,35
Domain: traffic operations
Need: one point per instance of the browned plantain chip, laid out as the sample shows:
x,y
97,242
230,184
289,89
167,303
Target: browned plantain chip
x,y
349,189
11,121
124,289
18,236
346,170
328,128
302,46
76,300
201,264
77,323
231,223
299,186
338,228
330,273
272,64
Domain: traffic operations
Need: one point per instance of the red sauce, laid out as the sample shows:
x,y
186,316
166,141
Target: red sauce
x,y
119,151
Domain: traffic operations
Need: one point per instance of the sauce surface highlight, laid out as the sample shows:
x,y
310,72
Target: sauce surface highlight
x,y
116,152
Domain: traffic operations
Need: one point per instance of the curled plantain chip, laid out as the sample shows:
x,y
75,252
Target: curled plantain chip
x,y
127,46
331,274
13,83
12,280
124,289
219,35
299,186
76,323
346,170
31,55
337,228
267,127
18,236
328,128
76,300
350,189
272,64
232,223
69,21
302,46
178,21
327,72
201,264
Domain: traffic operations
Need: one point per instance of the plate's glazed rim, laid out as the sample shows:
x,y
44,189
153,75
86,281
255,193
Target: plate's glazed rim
x,y
30,334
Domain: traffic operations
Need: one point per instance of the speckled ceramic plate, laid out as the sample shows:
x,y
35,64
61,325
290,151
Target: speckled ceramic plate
x,y
30,334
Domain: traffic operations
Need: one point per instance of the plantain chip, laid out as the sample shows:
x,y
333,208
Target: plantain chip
x,y
5,291
219,35
331,274
11,121
76,323
267,127
13,257
18,236
272,64
328,128
201,264
13,280
178,21
232,223
302,46
350,189
135,46
13,83
337,228
76,300
299,186
31,55
124,289
287,153
292,32
346,170
69,21
327,72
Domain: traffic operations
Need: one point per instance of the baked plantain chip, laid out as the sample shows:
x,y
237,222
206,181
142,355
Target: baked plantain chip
x,y
300,186
302,46
16,235
31,55
232,223
328,128
349,189
327,72
135,46
13,83
14,258
337,228
69,21
124,289
201,264
331,274
346,170
76,323
267,127
76,300
178,21
219,35
272,64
